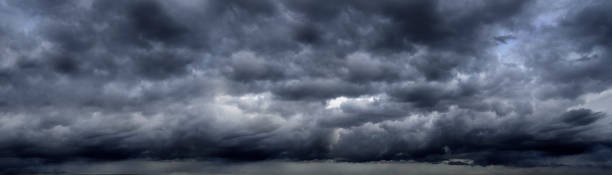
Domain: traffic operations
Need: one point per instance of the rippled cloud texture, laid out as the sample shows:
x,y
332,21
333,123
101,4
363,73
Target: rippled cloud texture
x,y
507,82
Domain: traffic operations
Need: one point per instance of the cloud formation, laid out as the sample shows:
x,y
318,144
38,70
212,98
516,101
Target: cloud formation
x,y
496,82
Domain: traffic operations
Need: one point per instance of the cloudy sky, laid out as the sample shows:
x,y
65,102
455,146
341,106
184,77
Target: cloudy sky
x,y
505,83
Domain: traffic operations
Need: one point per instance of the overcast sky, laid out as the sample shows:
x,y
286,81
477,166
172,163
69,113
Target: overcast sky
x,y
511,83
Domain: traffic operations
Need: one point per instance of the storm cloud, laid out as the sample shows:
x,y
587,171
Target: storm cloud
x,y
512,83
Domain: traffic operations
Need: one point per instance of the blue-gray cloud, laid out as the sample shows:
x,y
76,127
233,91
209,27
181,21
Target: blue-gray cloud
x,y
494,82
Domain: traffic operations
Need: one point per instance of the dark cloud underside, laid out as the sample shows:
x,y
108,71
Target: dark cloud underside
x,y
519,83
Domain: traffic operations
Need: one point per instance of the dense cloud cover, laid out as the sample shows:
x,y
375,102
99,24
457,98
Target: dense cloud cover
x,y
509,82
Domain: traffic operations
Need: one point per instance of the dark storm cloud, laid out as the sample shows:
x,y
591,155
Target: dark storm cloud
x,y
308,34
317,89
486,82
150,20
586,33
504,38
581,117
430,96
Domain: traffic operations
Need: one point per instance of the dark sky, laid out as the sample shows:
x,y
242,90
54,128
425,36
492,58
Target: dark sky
x,y
512,83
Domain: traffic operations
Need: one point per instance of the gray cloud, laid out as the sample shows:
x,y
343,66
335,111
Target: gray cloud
x,y
497,83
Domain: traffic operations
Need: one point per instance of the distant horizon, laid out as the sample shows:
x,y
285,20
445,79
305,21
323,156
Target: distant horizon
x,y
187,167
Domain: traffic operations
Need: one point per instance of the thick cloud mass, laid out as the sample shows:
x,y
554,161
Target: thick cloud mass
x,y
521,83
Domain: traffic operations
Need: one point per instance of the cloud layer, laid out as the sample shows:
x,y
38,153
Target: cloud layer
x,y
521,83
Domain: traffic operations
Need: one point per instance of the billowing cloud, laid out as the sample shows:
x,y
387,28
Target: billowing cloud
x,y
519,83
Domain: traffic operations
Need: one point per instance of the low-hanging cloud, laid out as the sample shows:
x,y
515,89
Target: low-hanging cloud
x,y
495,82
